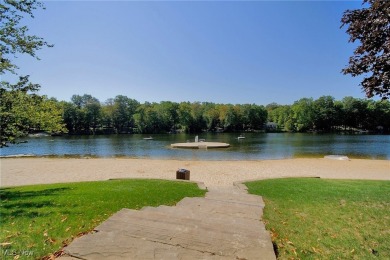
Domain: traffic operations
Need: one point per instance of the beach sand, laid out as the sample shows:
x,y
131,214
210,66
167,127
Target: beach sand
x,y
25,171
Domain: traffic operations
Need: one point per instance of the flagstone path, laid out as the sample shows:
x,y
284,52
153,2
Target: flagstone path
x,y
226,224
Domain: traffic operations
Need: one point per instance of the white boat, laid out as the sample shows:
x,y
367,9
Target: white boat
x,y
148,138
241,137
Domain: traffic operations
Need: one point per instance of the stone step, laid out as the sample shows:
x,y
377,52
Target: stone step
x,y
226,224
213,239
112,246
204,215
239,210
238,198
177,217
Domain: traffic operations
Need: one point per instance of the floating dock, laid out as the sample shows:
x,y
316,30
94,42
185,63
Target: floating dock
x,y
200,145
337,157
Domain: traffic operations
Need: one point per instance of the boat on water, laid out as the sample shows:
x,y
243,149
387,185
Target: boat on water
x,y
148,138
241,137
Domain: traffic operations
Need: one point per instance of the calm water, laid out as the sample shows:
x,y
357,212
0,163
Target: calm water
x,y
254,147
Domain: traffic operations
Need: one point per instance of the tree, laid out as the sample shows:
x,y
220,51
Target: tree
x,y
325,113
21,110
370,26
121,115
93,115
146,118
254,116
185,116
352,112
108,110
14,38
198,123
88,112
70,116
231,118
211,115
303,114
168,115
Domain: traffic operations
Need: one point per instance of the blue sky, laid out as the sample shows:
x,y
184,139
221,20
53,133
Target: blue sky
x,y
223,52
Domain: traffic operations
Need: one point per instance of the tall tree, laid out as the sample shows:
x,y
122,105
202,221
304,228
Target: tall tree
x,y
185,116
168,115
146,118
71,117
325,113
14,37
254,116
211,115
16,99
88,112
93,115
371,27
303,114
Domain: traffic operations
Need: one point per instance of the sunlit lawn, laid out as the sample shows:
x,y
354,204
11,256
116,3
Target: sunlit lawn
x,y
38,220
327,219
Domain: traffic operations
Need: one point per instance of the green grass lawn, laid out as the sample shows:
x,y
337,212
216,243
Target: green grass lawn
x,y
39,220
327,219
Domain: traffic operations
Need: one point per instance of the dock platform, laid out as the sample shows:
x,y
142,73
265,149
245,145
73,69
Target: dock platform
x,y
200,145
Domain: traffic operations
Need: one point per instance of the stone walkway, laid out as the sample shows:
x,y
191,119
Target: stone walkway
x,y
224,225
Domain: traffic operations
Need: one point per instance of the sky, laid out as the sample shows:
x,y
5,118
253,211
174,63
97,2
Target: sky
x,y
209,51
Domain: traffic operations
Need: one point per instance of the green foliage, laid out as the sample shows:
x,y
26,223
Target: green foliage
x,y
87,115
370,26
282,116
14,37
327,219
211,115
44,218
124,115
146,118
326,114
196,117
303,114
21,112
84,114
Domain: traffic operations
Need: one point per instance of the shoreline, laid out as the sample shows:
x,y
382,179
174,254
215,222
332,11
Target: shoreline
x,y
76,156
29,171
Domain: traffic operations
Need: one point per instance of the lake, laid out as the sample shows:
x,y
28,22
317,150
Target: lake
x,y
255,146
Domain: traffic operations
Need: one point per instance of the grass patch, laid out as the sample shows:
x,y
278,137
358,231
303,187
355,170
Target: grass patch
x,y
327,219
39,220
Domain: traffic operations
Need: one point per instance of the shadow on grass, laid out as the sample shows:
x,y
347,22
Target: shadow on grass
x,y
28,205
22,213
7,194
14,204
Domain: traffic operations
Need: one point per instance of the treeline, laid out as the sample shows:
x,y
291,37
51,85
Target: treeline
x,y
329,115
87,115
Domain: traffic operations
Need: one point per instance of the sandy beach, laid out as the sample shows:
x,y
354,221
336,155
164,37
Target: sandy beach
x,y
25,171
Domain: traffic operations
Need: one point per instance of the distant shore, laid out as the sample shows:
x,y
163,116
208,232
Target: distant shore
x,y
26,171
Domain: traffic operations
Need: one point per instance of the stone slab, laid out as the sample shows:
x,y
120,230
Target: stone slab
x,y
226,224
